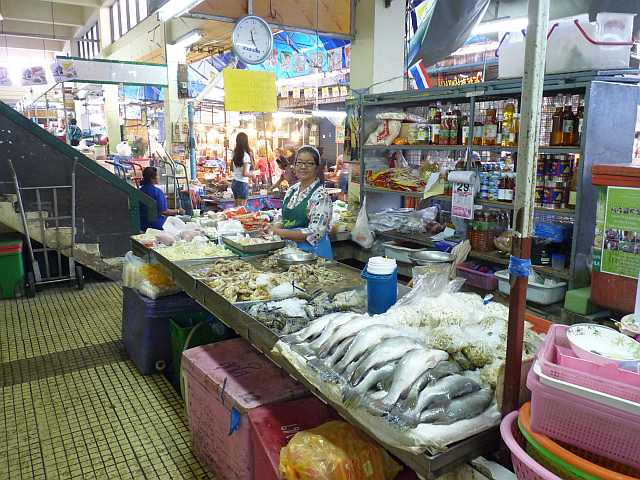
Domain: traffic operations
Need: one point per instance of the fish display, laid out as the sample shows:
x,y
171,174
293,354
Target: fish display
x,y
461,408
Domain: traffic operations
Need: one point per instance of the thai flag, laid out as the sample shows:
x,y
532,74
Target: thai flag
x,y
420,75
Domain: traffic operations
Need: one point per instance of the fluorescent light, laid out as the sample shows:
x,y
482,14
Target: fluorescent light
x,y
501,25
331,114
175,8
188,39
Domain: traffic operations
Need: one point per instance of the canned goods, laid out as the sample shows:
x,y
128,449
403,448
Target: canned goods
x,y
558,197
539,195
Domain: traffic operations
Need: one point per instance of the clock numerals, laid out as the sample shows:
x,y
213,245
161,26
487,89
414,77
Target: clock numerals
x,y
252,40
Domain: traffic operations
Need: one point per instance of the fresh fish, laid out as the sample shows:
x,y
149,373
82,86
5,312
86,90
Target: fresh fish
x,y
409,369
381,353
441,370
441,392
323,365
347,330
460,408
314,329
331,327
353,395
362,342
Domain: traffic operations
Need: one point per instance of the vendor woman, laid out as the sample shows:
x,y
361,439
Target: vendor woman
x,y
148,186
306,208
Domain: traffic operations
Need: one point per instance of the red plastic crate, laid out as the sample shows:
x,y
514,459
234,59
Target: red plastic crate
x,y
224,381
483,281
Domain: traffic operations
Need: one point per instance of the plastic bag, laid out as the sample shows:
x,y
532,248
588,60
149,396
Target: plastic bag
x,y
335,451
361,233
131,275
385,133
173,226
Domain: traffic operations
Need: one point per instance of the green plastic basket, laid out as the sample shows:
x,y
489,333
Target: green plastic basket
x,y
12,275
193,330
550,461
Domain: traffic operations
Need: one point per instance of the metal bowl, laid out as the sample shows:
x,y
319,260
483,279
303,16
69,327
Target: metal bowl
x,y
426,257
287,259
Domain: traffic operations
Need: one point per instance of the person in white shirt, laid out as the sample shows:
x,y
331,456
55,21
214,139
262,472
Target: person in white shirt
x,y
242,164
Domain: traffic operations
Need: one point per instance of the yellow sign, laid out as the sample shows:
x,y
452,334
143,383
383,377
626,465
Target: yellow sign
x,y
308,93
325,92
247,91
296,92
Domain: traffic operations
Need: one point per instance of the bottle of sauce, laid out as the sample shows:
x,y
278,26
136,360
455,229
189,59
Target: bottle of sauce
x,y
458,122
507,124
569,124
500,124
436,119
514,131
477,132
454,130
490,130
579,118
556,127
445,124
464,131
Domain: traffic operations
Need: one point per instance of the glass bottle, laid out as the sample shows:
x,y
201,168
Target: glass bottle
x,y
500,125
454,124
490,130
458,121
579,118
444,130
464,131
556,127
569,125
477,132
507,123
436,119
514,131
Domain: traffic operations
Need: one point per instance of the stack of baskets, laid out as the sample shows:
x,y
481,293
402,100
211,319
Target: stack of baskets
x,y
583,421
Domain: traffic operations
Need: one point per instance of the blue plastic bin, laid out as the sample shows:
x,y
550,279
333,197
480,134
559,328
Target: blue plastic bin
x,y
382,291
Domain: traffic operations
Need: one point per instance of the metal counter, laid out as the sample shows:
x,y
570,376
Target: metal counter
x,y
263,339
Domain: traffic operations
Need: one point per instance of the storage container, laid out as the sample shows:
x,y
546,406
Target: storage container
x,y
272,426
583,423
475,278
536,292
557,360
400,253
11,266
223,382
145,327
382,291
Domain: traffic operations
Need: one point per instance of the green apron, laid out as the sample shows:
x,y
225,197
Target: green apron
x,y
297,218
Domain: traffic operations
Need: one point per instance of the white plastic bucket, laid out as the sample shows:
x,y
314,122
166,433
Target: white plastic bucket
x,y
381,265
510,55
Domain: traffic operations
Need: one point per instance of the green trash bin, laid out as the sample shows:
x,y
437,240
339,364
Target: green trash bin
x,y
11,266
192,330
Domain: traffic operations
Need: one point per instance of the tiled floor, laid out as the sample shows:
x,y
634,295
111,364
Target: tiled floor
x,y
73,406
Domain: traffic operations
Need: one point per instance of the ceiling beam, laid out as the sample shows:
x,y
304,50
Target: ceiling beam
x,y
31,43
79,3
36,11
28,29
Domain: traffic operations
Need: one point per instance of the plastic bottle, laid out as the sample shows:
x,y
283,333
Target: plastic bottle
x,y
436,120
569,126
514,131
579,119
477,132
465,130
454,124
499,131
490,130
556,127
445,124
507,123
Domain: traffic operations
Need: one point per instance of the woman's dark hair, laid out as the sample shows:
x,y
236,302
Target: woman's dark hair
x,y
311,150
73,121
282,162
242,147
148,174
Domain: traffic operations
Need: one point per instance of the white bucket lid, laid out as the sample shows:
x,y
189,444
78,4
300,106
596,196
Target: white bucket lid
x,y
381,265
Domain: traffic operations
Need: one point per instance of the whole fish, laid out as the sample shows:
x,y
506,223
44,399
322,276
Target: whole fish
x,y
441,370
331,327
312,330
353,395
382,353
460,408
409,369
441,392
349,329
363,340
325,364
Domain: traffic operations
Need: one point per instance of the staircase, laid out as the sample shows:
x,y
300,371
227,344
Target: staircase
x,y
107,207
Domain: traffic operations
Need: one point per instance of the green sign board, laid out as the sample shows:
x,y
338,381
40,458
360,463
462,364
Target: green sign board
x,y
621,232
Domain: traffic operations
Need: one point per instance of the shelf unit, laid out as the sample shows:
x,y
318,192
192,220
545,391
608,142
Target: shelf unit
x,y
610,100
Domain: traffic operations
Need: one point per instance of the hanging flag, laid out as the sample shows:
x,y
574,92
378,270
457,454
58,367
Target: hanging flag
x,y
420,76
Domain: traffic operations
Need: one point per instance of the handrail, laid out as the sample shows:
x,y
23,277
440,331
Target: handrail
x,y
136,197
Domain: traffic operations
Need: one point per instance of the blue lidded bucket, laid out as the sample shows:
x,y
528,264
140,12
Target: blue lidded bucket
x,y
382,291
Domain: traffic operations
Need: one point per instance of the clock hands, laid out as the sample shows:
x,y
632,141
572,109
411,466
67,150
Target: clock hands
x,y
252,39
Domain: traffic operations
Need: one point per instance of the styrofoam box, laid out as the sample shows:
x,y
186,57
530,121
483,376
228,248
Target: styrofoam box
x,y
223,382
538,293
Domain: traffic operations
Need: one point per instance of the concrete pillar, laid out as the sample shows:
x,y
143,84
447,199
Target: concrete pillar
x,y
377,53
112,114
175,110
104,26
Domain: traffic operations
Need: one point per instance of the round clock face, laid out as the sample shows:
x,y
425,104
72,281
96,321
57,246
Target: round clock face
x,y
252,40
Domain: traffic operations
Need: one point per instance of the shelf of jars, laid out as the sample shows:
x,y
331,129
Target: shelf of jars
x,y
558,150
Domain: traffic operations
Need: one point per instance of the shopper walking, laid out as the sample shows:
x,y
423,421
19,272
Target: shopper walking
x,y
242,164
74,132
148,186
306,208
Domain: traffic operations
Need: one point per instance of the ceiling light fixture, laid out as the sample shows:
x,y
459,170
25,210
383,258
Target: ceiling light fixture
x,y
175,8
188,39
501,25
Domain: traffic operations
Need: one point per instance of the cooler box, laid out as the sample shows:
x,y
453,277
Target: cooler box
x,y
145,327
11,266
223,382
273,426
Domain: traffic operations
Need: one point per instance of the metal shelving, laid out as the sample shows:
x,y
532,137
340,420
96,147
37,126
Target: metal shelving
x,y
477,148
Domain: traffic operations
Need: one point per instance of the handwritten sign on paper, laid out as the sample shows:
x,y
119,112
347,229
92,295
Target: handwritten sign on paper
x,y
249,91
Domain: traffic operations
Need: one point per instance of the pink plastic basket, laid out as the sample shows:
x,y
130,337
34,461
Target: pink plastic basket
x,y
525,467
557,360
591,426
483,281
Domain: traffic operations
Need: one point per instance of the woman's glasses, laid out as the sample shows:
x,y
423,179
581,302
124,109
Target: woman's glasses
x,y
305,164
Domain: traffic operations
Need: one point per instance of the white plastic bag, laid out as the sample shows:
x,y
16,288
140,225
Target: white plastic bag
x,y
361,233
131,276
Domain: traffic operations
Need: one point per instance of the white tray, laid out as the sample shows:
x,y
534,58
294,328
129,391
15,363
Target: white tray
x,y
600,397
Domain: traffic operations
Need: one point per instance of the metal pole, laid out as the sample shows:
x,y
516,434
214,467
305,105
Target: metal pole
x,y
532,89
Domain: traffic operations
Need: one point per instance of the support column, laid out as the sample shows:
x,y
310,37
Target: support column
x,y
175,110
112,115
377,53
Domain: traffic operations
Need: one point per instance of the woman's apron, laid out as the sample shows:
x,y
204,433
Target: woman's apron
x,y
297,218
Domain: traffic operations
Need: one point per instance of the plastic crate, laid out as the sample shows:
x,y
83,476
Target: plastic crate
x,y
556,359
474,278
11,267
585,424
537,293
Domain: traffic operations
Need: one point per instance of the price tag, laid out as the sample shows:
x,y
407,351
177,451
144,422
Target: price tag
x,y
462,200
